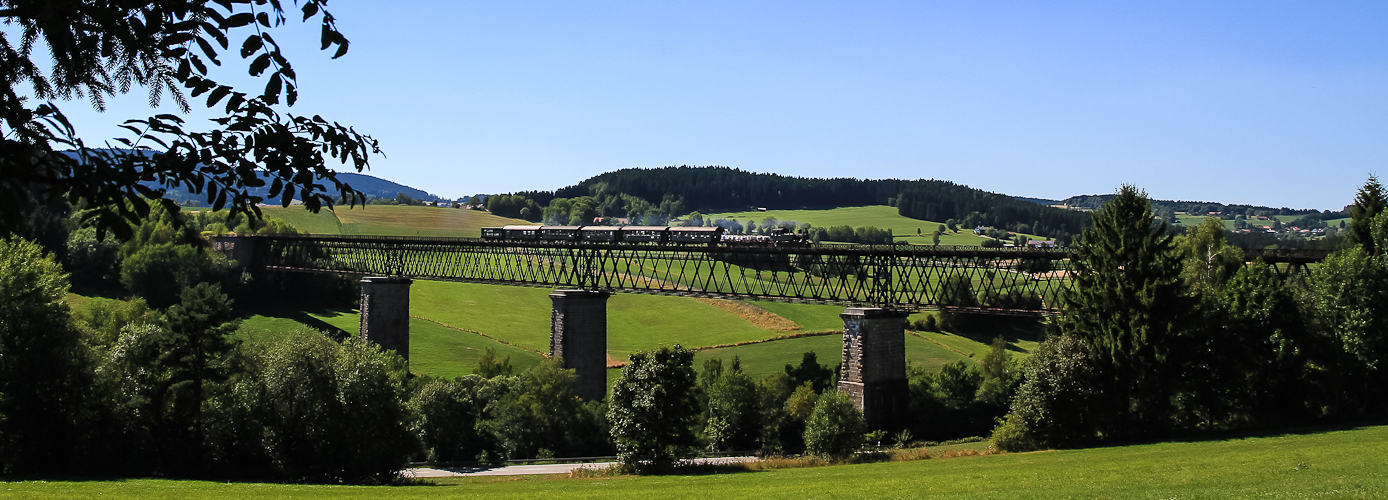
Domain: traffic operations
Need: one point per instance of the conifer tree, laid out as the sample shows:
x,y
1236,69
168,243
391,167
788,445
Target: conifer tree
x,y
1129,305
1368,203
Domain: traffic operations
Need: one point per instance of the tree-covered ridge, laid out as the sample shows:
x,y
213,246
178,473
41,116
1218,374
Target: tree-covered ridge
x,y
1095,201
670,191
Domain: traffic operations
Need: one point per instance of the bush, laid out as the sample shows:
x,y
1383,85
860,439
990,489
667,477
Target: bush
x,y
1056,406
447,416
159,273
539,416
835,429
654,409
331,412
734,421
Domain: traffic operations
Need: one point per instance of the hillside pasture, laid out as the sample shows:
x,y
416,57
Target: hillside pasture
x,y
453,323
394,220
323,222
1197,220
766,358
879,216
435,349
521,316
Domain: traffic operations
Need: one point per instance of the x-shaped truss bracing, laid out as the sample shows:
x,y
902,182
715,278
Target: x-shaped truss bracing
x,y
1009,281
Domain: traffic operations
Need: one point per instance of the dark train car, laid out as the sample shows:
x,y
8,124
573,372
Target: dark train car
x,y
599,234
560,233
493,233
707,235
522,232
645,234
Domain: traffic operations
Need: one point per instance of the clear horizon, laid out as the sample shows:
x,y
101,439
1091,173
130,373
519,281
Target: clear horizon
x,y
1258,103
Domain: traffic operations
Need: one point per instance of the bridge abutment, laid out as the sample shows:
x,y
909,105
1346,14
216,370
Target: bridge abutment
x,y
874,364
578,334
385,312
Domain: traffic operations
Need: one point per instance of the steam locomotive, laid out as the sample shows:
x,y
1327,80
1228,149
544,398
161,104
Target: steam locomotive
x,y
636,234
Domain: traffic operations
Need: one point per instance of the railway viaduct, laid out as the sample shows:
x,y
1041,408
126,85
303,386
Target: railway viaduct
x,y
878,285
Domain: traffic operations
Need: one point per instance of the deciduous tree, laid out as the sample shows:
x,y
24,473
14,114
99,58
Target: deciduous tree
x,y
101,49
654,408
42,361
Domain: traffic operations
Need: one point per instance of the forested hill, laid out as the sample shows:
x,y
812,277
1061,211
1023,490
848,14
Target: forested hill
x,y
724,188
712,189
1094,201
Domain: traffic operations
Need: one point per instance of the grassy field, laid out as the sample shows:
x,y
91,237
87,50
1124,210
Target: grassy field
x,y
323,222
1344,463
766,358
391,220
386,220
1196,221
455,322
879,216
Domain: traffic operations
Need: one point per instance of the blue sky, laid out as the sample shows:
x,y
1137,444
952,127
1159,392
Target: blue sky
x,y
1267,103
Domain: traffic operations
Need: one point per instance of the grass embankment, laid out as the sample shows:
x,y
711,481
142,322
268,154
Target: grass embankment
x,y
1329,464
879,216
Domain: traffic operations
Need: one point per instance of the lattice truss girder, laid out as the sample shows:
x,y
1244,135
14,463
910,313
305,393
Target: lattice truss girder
x,y
997,281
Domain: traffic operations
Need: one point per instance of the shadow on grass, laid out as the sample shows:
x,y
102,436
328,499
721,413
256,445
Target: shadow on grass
x,y
1300,430
310,316
1296,430
1013,330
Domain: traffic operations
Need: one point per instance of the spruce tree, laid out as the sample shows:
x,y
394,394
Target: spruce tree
x,y
1129,305
1368,202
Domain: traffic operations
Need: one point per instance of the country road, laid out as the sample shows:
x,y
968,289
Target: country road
x,y
520,470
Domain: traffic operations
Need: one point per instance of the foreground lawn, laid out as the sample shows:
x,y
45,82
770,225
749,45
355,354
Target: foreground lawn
x,y
1332,464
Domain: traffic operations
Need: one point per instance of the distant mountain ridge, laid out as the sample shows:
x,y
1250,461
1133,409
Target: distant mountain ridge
x,y
369,185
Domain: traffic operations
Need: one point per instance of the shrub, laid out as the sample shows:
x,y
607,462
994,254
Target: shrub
x,y
1057,404
331,412
835,428
654,409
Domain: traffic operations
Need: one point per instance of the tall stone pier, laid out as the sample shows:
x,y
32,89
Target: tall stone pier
x,y
578,333
874,364
385,312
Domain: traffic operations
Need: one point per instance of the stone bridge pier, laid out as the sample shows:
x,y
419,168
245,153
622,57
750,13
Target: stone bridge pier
x,y
385,312
578,334
874,364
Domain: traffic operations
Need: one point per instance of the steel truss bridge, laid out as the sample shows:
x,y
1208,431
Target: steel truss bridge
x,y
905,277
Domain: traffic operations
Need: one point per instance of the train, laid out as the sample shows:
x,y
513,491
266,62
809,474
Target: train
x,y
659,235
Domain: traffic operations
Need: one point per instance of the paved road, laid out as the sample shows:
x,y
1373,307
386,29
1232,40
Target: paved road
x,y
519,470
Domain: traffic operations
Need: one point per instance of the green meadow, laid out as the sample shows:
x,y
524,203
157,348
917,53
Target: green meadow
x,y
455,322
1196,220
879,216
1314,463
391,220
